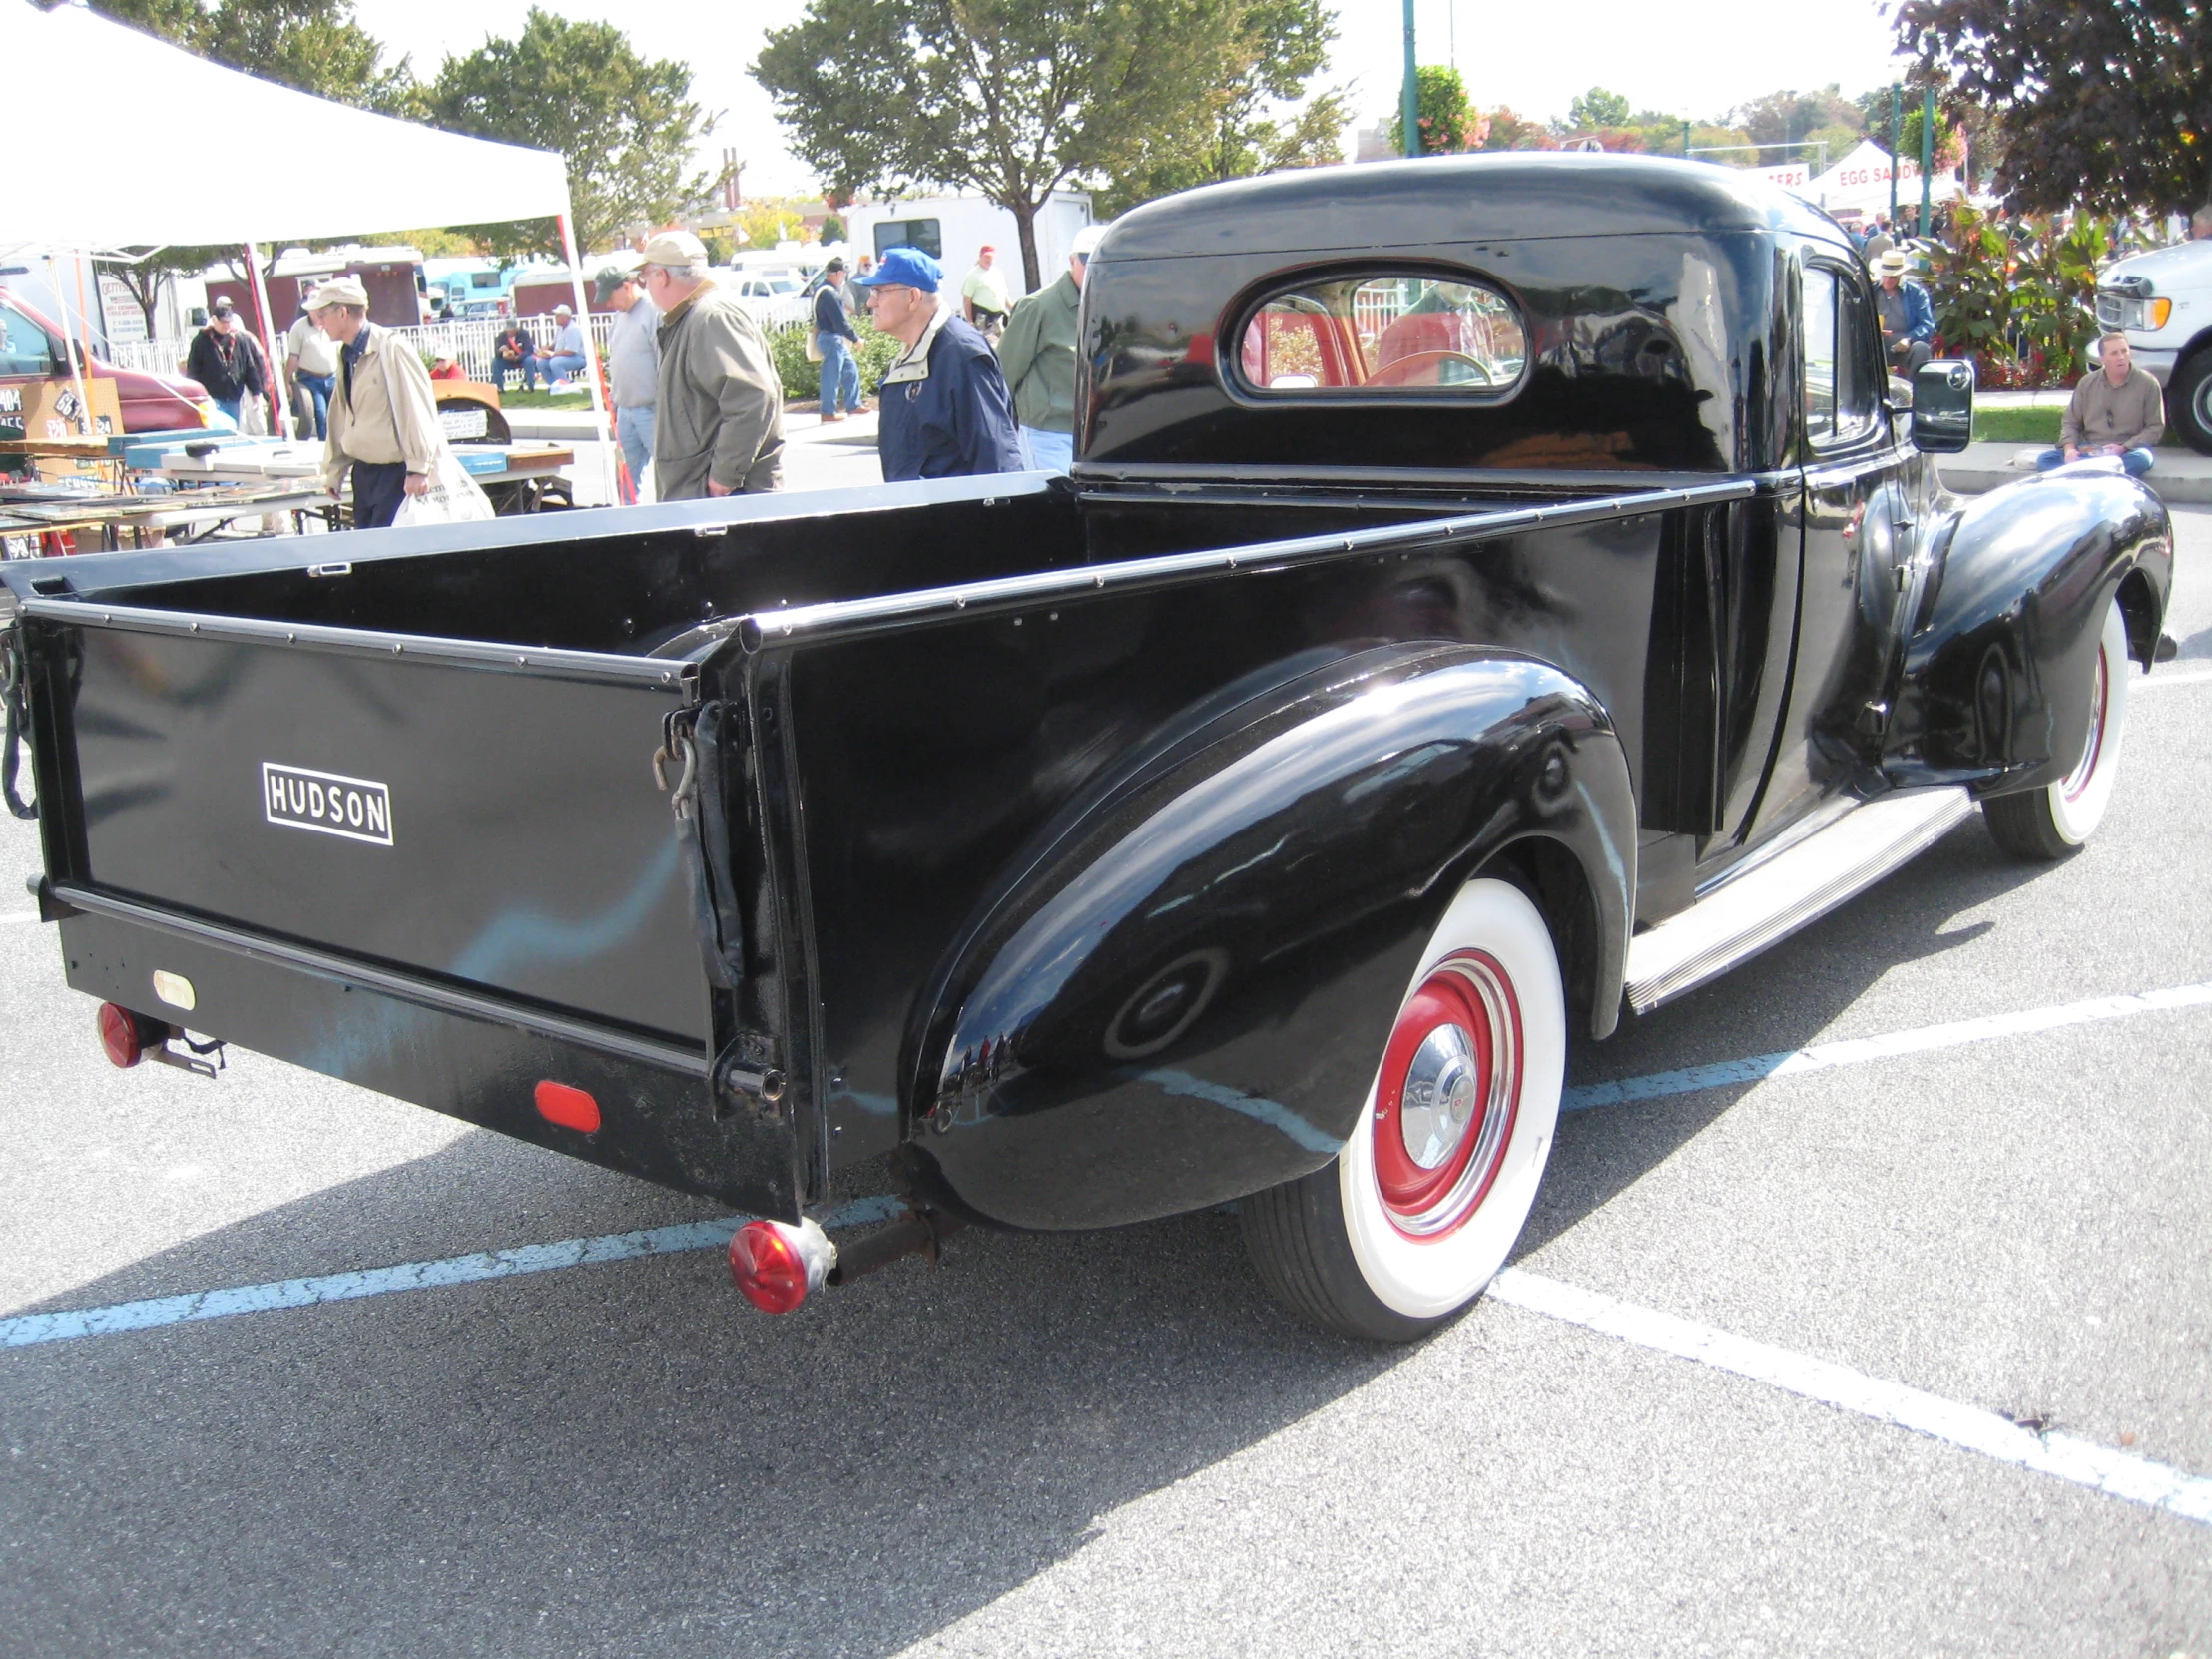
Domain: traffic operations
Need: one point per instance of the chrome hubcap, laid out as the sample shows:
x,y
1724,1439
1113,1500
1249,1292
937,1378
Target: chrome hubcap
x,y
1442,1094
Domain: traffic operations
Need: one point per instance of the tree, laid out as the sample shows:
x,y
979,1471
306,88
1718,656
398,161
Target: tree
x,y
1597,108
1251,122
1787,118
1010,98
625,126
1501,129
314,45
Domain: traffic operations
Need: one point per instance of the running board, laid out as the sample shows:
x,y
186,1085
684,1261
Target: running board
x,y
1775,898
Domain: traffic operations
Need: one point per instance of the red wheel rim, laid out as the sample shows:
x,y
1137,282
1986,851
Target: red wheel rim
x,y
2100,702
1448,1096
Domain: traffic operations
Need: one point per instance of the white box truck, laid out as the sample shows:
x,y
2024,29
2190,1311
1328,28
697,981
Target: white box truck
x,y
949,228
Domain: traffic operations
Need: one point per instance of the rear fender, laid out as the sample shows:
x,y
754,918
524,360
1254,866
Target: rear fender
x,y
1182,997
1997,669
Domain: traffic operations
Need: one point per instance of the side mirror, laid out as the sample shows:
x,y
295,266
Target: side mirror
x,y
1942,407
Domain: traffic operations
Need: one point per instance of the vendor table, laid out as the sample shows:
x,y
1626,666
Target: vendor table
x,y
199,513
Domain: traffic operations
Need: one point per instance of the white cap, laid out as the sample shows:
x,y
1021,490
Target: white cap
x,y
676,248
1087,240
562,311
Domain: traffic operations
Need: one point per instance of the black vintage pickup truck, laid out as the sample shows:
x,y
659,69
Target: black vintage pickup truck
x,y
1494,592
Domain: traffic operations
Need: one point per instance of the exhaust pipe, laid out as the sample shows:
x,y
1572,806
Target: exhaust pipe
x,y
777,1264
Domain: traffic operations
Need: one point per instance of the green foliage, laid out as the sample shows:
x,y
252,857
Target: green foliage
x,y
801,380
2104,105
1597,108
1447,122
625,126
1251,122
832,228
2015,294
1010,98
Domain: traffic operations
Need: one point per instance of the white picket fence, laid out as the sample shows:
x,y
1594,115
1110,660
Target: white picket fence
x,y
469,341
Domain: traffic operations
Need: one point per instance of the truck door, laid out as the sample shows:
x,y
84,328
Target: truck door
x,y
1853,515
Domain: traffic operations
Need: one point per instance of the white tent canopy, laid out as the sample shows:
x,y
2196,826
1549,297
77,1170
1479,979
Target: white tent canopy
x,y
110,103
1860,183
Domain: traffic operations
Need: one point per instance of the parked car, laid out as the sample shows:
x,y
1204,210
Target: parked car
x,y
1495,595
2162,301
32,349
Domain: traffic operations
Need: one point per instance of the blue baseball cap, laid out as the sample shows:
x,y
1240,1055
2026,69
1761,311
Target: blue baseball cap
x,y
903,268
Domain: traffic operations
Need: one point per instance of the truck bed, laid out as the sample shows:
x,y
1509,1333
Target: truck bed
x,y
391,796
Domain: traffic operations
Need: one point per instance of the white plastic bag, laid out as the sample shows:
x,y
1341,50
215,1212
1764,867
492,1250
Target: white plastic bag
x,y
452,498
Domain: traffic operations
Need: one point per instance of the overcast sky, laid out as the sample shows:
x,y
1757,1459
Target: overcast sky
x,y
1687,57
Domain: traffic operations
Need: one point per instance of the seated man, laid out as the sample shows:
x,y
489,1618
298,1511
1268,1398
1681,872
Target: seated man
x,y
1907,318
2117,411
514,353
567,357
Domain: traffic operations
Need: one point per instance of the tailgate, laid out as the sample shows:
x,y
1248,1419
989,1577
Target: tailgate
x,y
472,813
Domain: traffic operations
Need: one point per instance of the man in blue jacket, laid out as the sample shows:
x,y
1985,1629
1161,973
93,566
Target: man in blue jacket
x,y
835,340
943,410
1907,318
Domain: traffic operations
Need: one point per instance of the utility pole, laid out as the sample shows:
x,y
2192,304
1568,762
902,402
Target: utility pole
x,y
1928,151
1894,123
1410,101
1685,138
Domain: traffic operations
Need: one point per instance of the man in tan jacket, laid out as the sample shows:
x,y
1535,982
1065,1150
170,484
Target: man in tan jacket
x,y
719,427
2117,410
383,415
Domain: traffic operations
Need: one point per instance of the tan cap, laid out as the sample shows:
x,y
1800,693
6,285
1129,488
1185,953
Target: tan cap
x,y
339,290
675,248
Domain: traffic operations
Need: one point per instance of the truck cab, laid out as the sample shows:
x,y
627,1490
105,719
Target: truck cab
x,y
32,349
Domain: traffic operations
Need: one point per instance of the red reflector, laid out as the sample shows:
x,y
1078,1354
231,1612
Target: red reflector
x,y
570,1108
121,1035
766,1262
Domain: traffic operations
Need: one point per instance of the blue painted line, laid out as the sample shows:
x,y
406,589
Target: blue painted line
x,y
25,1330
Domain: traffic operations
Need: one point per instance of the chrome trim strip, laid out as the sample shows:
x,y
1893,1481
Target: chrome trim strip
x,y
804,623
539,661
408,987
1783,893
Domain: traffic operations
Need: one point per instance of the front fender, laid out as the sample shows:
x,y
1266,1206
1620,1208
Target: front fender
x,y
2000,661
1183,997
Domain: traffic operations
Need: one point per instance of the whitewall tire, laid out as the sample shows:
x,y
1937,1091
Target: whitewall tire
x,y
2054,821
1422,1206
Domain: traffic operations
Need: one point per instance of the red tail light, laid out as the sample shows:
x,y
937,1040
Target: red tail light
x,y
570,1108
126,1036
776,1263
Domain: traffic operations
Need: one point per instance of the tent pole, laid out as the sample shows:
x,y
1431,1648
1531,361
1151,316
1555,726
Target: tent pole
x,y
267,328
70,342
599,410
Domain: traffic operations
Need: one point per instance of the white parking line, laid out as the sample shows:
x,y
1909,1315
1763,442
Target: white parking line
x,y
2171,677
2118,1475
1859,1050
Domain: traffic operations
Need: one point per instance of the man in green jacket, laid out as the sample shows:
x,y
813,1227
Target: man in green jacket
x,y
719,424
1037,357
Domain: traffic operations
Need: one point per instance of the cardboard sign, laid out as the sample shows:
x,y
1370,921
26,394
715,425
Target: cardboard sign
x,y
51,409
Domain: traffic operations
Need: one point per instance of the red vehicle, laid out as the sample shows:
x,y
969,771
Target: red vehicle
x,y
32,349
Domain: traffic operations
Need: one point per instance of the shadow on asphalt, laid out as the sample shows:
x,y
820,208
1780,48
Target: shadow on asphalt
x,y
625,1460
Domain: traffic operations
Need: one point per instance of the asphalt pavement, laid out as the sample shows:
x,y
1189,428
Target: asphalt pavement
x,y
1113,1443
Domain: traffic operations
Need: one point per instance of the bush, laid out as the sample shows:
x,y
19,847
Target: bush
x,y
2015,296
803,379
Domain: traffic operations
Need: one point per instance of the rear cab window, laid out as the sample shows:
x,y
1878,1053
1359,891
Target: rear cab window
x,y
25,352
1410,335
